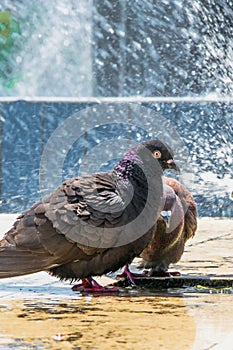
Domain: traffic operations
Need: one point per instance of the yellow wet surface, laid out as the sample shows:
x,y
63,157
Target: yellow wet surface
x,y
40,312
99,323
138,322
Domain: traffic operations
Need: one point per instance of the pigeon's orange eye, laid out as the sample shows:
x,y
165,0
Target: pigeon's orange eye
x,y
157,154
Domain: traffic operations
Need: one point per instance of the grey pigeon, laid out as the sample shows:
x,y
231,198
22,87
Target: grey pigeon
x,y
93,224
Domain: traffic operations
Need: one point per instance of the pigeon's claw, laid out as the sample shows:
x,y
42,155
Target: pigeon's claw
x,y
89,285
130,275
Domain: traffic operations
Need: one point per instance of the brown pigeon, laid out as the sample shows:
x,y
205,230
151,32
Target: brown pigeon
x,y
176,224
107,218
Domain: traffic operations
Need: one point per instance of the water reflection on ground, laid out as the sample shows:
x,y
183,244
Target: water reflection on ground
x,y
40,312
131,320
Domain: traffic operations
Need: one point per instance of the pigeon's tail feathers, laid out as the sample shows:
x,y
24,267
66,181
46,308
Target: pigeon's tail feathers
x,y
21,252
18,262
33,245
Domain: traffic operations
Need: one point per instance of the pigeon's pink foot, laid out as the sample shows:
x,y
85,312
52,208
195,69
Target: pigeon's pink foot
x,y
81,286
163,273
130,275
89,285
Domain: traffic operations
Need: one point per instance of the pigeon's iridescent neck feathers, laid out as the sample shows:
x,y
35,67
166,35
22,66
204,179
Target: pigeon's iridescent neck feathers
x,y
129,167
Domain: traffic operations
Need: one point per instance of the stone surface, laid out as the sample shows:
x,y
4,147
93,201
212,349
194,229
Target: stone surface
x,y
40,312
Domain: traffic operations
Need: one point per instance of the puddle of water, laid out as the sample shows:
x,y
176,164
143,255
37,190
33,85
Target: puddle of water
x,y
131,320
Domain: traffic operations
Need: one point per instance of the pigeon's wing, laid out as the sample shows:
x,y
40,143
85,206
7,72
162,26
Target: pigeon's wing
x,y
82,208
66,226
190,223
189,206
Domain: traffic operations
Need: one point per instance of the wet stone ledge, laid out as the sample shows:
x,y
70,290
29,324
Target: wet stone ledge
x,y
157,283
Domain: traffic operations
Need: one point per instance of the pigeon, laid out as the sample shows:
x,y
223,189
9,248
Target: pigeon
x,y
92,224
176,224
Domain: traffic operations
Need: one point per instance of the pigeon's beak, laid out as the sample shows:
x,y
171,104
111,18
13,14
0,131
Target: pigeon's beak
x,y
166,215
172,165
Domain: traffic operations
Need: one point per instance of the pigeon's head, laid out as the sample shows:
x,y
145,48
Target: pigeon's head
x,y
162,152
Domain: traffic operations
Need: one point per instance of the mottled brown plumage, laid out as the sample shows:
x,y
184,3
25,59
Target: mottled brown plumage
x,y
88,225
167,243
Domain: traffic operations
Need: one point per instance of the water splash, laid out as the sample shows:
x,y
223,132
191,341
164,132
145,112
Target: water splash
x,y
176,48
166,48
52,54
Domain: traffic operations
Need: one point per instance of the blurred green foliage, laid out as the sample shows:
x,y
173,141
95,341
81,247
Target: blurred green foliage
x,y
8,26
